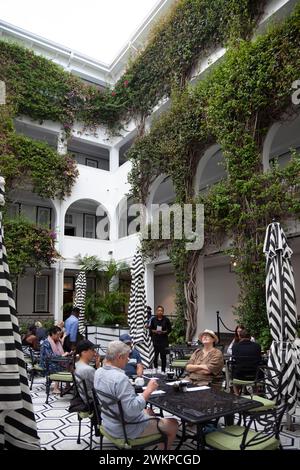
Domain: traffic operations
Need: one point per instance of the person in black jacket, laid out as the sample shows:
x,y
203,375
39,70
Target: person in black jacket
x,y
160,327
247,357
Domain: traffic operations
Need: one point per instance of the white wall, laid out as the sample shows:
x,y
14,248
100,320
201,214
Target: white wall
x,y
221,293
25,300
164,292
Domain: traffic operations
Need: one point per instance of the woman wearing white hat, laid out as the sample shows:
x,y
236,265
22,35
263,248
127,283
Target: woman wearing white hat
x,y
205,365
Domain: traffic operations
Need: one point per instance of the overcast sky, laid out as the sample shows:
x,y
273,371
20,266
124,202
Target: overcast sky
x,y
98,28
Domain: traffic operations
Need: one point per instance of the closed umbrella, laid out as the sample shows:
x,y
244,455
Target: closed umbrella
x,y
282,312
137,311
80,294
17,421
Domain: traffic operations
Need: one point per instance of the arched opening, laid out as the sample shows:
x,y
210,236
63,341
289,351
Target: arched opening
x,y
88,219
211,169
285,138
128,215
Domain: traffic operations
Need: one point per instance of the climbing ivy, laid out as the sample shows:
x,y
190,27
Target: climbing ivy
x,y
28,246
234,106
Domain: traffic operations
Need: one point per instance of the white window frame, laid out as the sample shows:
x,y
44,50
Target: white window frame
x,y
41,307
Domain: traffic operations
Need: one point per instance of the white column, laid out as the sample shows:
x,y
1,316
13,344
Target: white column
x,y
149,285
58,291
113,159
200,297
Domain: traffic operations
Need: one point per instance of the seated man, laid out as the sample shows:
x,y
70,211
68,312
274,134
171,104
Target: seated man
x,y
134,365
83,370
112,379
247,356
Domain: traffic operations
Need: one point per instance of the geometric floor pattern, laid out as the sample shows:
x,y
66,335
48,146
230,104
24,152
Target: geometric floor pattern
x,y
57,428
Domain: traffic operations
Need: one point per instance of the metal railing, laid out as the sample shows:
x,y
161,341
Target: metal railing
x,y
219,320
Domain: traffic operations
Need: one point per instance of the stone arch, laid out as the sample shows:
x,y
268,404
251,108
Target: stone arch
x,y
210,169
87,218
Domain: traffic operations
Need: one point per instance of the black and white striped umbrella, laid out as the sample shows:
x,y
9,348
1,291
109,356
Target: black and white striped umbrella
x,y
17,422
80,294
137,312
282,312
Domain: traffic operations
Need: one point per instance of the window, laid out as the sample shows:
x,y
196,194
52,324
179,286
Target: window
x,y
91,162
43,216
69,283
41,294
69,219
89,226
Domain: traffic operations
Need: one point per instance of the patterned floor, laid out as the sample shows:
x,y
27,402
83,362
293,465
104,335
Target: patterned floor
x,y
58,428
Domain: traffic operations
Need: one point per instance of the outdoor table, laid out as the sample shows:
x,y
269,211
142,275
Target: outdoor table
x,y
198,407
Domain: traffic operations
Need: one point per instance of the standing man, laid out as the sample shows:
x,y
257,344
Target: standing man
x,y
160,327
71,327
134,365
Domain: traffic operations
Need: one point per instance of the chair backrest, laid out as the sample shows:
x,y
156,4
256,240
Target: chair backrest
x,y
63,363
247,365
268,423
269,382
81,390
34,356
111,407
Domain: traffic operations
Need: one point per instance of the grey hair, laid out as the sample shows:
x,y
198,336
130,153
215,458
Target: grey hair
x,y
115,349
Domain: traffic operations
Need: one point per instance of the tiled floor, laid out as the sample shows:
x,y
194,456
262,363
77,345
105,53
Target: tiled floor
x,y
58,428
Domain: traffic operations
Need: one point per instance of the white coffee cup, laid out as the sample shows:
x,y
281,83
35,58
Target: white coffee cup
x,y
139,381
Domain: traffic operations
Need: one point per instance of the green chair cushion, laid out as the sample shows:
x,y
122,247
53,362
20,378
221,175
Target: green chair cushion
x,y
120,443
242,382
179,363
61,377
85,414
266,403
38,368
221,441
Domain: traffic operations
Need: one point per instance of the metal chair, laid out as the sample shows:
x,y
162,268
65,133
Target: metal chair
x,y
266,387
58,370
80,390
32,360
265,436
111,407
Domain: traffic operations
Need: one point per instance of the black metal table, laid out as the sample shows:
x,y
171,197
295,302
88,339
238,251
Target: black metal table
x,y
199,407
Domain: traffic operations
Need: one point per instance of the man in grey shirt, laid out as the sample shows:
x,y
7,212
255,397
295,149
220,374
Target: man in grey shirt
x,y
111,379
83,370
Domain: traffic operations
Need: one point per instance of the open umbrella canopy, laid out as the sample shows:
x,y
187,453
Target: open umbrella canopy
x,y
17,421
282,312
137,311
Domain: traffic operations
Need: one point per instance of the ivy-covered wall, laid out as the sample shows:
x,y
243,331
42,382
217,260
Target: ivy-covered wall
x,y
42,90
234,107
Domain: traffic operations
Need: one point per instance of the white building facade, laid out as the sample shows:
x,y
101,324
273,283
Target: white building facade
x,y
102,187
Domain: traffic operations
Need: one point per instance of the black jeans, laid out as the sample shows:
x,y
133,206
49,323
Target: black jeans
x,y
160,350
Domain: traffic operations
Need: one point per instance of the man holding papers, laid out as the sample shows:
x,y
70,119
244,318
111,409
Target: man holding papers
x,y
160,327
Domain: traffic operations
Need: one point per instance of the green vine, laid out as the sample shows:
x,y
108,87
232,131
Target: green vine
x,y
28,246
234,107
